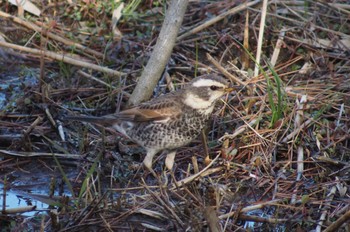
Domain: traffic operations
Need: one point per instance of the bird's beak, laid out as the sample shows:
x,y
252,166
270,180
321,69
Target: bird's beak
x,y
228,90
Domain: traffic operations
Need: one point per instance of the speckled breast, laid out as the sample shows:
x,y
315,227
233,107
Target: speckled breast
x,y
176,132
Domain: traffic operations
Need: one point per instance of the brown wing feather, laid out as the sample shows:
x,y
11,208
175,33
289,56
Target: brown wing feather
x,y
158,109
151,111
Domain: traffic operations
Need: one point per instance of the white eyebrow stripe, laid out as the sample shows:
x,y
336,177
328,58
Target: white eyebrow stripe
x,y
207,82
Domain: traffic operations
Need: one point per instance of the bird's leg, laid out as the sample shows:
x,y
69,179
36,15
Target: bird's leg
x,y
169,160
148,160
169,163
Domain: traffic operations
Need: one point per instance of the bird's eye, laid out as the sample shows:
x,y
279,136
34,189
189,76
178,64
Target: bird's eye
x,y
213,87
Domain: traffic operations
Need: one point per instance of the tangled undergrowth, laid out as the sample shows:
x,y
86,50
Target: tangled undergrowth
x,y
278,147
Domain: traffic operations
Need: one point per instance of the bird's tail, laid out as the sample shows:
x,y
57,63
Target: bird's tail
x,y
107,120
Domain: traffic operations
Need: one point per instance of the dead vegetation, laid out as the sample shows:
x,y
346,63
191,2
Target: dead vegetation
x,y
279,147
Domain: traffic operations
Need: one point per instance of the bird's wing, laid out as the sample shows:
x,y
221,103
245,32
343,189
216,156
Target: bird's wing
x,y
157,111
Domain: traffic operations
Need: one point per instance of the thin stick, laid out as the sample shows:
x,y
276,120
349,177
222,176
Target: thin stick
x,y
63,58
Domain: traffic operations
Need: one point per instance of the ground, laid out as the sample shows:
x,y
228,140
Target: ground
x,y
278,146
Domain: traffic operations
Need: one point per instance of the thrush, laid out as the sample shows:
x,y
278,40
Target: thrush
x,y
169,121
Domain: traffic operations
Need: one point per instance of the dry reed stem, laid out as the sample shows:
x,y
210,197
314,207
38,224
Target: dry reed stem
x,y
326,208
260,38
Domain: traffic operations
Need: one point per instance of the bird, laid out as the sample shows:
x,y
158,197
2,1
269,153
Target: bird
x,y
169,121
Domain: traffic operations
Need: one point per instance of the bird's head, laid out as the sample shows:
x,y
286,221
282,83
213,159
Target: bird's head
x,y
202,92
